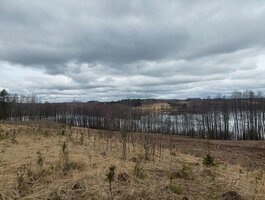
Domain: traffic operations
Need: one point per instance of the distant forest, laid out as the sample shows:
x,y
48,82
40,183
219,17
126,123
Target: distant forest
x,y
241,116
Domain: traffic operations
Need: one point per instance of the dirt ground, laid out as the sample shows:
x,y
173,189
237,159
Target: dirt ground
x,y
249,154
52,161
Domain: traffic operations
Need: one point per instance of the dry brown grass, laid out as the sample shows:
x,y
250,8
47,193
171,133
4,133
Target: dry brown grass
x,y
90,161
156,107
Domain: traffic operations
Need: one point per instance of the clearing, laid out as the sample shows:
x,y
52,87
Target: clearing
x,y
54,161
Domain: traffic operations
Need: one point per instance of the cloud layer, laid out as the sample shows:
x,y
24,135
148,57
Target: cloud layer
x,y
105,50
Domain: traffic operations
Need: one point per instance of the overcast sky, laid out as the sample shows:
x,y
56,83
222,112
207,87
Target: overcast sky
x,y
62,50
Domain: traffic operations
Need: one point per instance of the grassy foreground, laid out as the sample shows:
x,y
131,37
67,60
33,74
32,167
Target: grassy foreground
x,y
42,161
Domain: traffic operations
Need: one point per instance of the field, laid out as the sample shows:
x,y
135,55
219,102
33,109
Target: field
x,y
54,161
161,107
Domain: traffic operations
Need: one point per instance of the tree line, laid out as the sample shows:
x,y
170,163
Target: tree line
x,y
240,116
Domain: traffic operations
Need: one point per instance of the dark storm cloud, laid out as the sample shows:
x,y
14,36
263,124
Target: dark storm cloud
x,y
109,47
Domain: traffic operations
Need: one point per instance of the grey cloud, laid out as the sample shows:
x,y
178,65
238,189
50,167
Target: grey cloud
x,y
110,47
83,36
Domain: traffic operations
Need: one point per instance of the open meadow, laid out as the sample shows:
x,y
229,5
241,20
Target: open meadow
x,y
55,161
